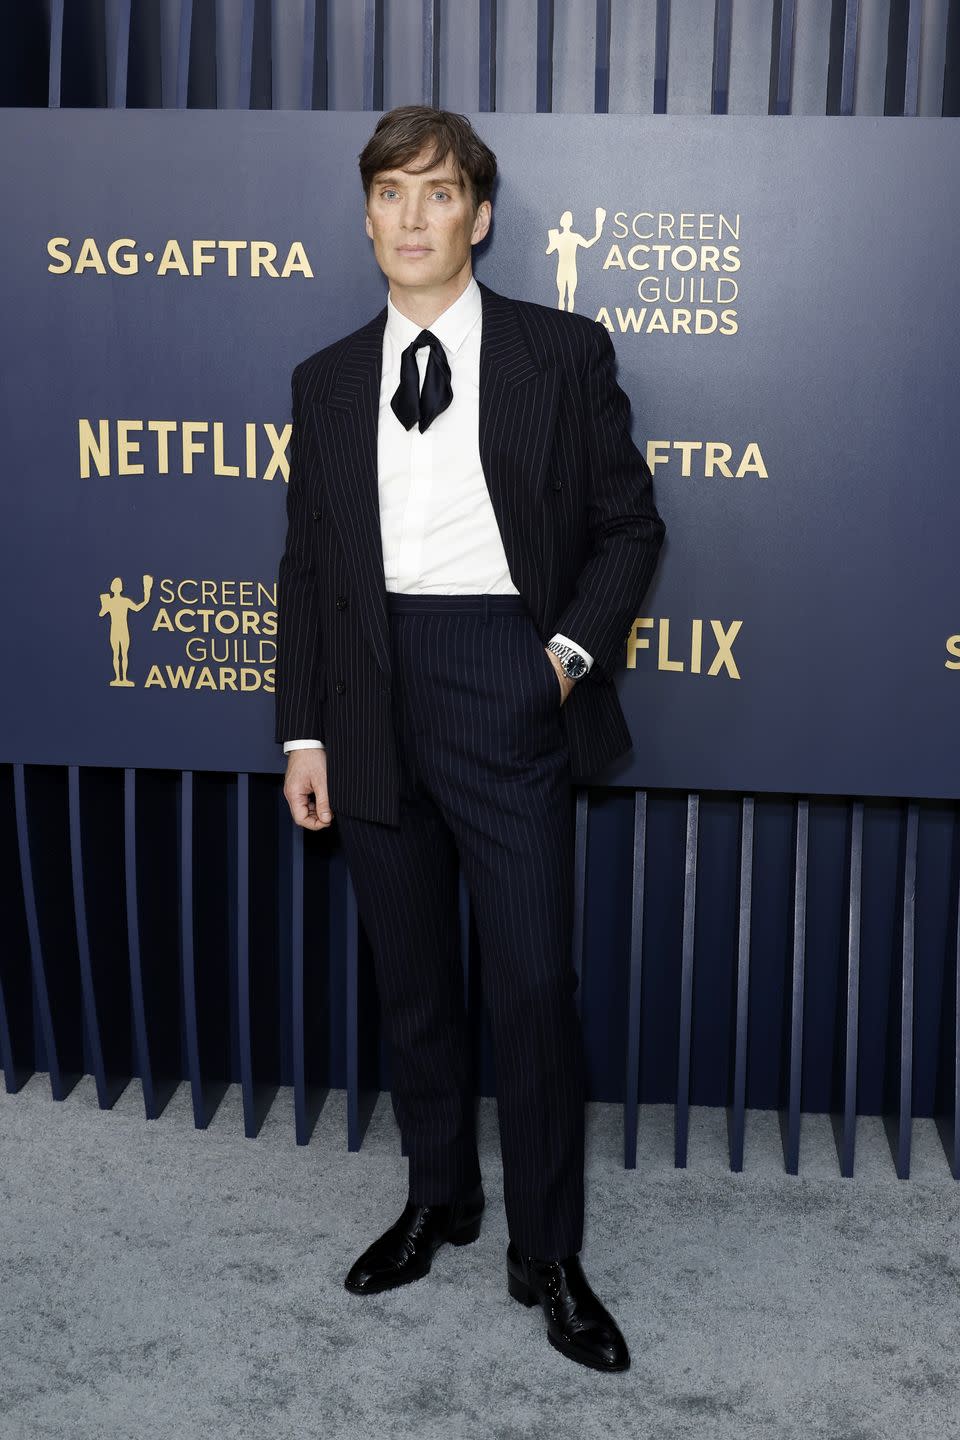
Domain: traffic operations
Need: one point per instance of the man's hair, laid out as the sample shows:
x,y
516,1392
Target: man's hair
x,y
402,133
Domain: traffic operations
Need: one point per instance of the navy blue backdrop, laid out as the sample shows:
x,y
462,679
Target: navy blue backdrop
x,y
785,331
792,949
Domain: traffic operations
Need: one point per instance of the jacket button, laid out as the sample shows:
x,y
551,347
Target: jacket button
x,y
316,514
556,484
340,687
341,602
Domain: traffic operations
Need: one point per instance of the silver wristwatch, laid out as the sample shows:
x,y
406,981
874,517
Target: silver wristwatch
x,y
573,664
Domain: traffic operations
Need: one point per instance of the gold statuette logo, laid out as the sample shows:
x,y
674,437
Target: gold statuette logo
x,y
565,243
118,607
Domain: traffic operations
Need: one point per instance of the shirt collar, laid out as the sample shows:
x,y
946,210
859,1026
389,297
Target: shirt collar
x,y
451,327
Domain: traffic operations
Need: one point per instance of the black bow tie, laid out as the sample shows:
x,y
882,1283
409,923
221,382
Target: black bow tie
x,y
408,403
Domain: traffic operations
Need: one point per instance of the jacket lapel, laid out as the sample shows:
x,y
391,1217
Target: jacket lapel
x,y
518,406
346,429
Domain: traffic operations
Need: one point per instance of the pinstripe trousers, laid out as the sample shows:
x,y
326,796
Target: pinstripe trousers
x,y
486,787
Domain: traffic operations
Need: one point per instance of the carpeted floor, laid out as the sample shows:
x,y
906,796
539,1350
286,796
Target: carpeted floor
x,y
158,1281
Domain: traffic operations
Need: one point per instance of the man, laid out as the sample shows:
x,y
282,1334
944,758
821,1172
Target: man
x,y
470,533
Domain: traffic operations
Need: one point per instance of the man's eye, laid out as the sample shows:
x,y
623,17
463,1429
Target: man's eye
x,y
444,193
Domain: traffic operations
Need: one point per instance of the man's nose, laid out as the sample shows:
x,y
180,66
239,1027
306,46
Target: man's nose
x,y
413,216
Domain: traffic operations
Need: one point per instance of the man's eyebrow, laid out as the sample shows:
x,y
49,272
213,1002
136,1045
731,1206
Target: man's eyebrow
x,y
429,179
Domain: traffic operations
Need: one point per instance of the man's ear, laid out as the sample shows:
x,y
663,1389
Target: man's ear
x,y
481,223
366,224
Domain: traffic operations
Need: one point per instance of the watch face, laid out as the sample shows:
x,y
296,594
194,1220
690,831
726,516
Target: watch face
x,y
574,666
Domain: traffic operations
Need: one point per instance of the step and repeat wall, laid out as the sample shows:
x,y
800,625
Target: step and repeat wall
x,y
783,302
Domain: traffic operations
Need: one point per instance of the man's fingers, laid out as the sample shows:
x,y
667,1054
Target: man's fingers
x,y
305,789
303,811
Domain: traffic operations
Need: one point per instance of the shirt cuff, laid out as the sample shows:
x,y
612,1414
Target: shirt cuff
x,y
289,745
565,640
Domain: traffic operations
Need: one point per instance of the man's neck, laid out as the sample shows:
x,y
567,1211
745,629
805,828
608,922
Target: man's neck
x,y
423,306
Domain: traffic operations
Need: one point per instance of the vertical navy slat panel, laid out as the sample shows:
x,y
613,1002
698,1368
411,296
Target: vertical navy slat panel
x,y
262,976
544,55
631,1087
17,1041
137,999
842,72
56,54
242,934
661,57
152,870
430,84
848,1135
308,55
188,976
183,53
720,86
355,1122
95,805
682,1114
736,1112
790,1121
373,55
310,947
955,1129
601,83
899,1130
245,85
781,57
911,78
87,987
848,76
207,935
898,26
9,1019
261,89
314,77
117,79
303,1121
13,1077
61,1083
488,55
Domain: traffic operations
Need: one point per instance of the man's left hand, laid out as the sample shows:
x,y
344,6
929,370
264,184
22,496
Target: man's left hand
x,y
566,684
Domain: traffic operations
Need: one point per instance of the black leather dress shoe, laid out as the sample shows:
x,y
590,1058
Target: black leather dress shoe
x,y
578,1324
405,1251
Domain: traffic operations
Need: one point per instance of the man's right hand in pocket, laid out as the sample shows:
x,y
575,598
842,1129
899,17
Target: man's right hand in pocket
x,y
305,788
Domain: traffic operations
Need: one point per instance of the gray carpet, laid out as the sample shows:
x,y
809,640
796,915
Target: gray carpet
x,y
158,1281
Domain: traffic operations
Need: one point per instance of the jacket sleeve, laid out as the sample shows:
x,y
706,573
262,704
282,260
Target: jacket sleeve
x,y
299,664
625,528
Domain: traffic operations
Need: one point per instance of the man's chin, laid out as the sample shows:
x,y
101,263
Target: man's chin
x,y
415,277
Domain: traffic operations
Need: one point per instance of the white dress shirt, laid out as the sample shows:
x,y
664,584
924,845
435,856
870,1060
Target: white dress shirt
x,y
437,524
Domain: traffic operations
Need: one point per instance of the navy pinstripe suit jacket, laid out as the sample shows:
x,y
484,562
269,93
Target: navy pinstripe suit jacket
x,y
573,498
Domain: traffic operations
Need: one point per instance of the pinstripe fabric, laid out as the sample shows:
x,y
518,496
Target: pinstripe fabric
x,y
485,785
573,500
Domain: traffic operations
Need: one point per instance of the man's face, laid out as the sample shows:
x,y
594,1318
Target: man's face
x,y
423,226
